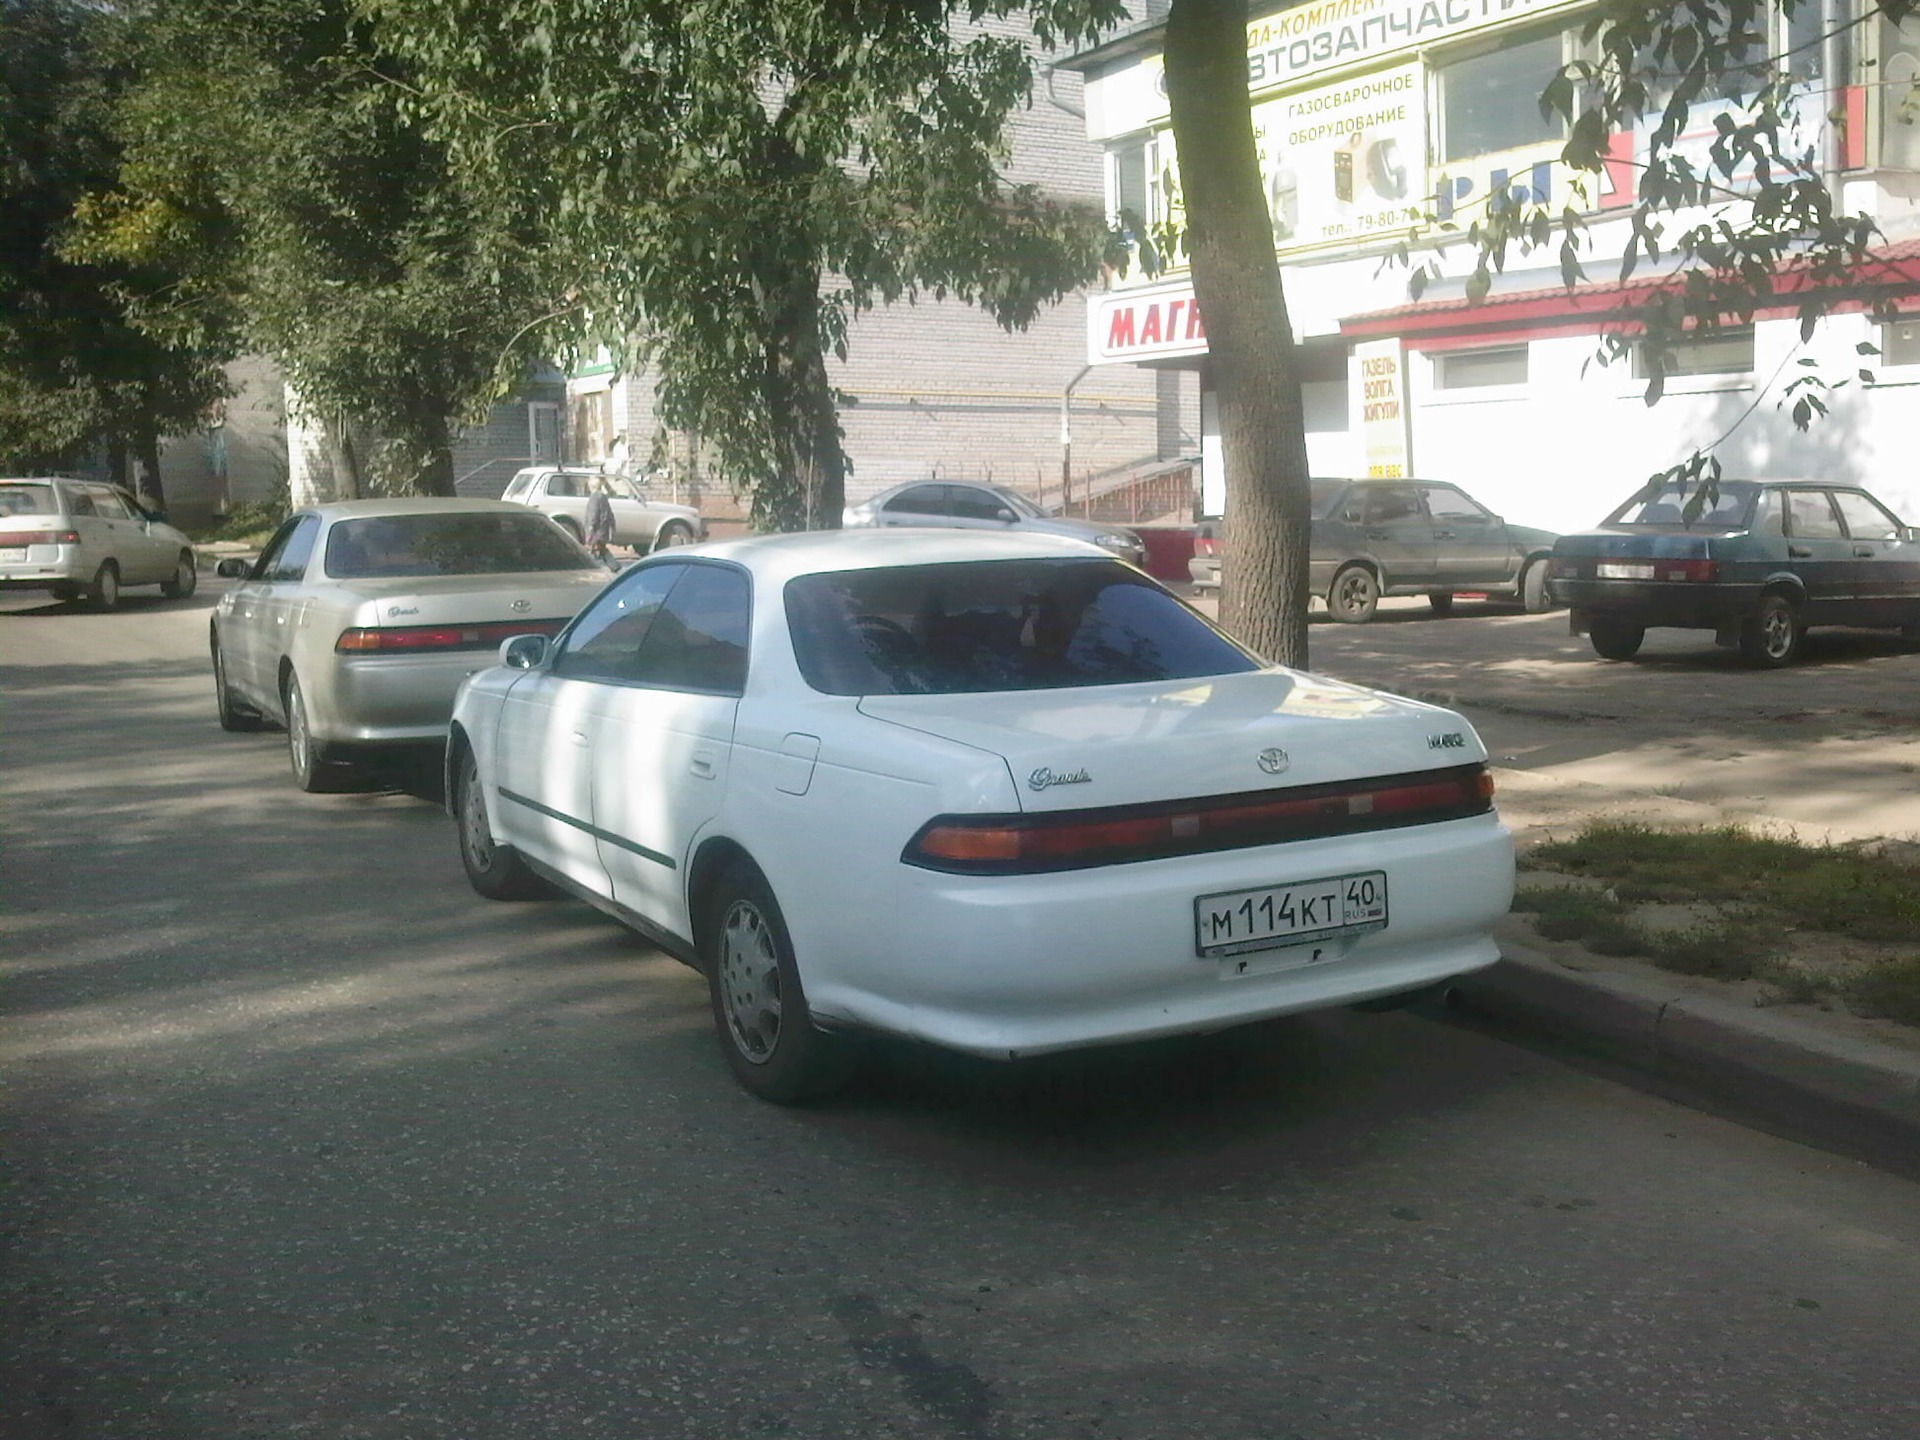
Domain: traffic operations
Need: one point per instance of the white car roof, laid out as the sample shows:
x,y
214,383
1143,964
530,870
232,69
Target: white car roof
x,y
778,558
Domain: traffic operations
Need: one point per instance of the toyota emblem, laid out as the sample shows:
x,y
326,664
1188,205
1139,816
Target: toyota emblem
x,y
1274,760
520,607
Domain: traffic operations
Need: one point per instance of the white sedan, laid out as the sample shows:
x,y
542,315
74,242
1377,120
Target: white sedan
x,y
1001,794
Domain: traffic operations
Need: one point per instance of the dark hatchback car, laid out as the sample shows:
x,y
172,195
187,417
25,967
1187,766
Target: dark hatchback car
x,y
1404,537
1754,561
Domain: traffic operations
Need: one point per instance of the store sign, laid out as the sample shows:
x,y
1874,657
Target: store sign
x,y
1145,325
1467,191
1306,43
1312,39
1378,384
1343,162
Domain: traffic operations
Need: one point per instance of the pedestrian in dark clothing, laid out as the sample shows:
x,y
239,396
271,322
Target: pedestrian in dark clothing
x,y
599,523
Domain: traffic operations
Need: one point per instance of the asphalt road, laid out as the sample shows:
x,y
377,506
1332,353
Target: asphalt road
x,y
301,1138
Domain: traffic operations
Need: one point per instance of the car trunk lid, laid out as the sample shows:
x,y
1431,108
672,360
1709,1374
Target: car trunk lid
x,y
1171,740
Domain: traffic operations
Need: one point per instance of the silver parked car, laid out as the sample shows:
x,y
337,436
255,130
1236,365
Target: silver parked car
x,y
360,619
560,492
969,505
78,538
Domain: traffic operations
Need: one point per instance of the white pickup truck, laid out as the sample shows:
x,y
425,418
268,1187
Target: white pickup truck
x,y
560,492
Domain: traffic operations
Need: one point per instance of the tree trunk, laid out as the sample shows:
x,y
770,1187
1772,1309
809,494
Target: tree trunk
x,y
432,440
1236,283
117,461
810,485
149,486
809,489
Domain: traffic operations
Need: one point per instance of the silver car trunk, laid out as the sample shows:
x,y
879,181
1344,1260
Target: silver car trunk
x,y
469,599
1220,735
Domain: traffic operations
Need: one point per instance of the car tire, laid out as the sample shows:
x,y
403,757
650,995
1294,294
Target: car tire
x,y
759,1008
234,717
1354,595
1771,636
312,771
496,871
1534,597
673,533
104,592
1441,601
1613,640
186,578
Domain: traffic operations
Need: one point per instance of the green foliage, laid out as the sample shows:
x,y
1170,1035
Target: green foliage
x,y
75,372
275,161
1836,888
1890,991
727,185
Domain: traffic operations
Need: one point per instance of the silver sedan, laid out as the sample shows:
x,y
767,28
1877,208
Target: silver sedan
x,y
360,619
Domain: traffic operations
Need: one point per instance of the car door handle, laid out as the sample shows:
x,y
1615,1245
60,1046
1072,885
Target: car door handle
x,y
1865,552
1799,552
1378,535
702,764
1444,535
580,738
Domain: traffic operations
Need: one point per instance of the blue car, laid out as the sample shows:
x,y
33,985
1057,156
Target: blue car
x,y
1754,561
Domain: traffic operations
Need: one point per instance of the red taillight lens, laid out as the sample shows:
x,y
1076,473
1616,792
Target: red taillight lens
x,y
1206,545
1701,570
14,539
1008,844
418,639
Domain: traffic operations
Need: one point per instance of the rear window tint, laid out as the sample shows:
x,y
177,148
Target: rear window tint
x,y
996,625
383,546
1727,508
28,500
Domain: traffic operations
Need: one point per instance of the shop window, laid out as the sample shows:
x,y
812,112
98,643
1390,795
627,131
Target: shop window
x,y
1473,369
1136,189
1900,343
1727,352
1490,102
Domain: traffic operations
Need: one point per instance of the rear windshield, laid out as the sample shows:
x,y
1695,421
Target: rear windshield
x,y
992,625
1726,508
28,500
462,544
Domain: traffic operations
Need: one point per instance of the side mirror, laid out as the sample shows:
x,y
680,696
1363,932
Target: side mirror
x,y
523,652
233,568
1004,515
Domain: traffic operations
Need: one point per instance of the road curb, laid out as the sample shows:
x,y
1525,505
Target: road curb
x,y
1753,1058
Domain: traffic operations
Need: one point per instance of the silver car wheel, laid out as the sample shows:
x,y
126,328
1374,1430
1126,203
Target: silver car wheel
x,y
299,744
672,534
106,587
1777,632
750,982
476,832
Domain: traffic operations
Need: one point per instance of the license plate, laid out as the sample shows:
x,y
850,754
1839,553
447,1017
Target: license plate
x,y
1612,570
12,553
1237,921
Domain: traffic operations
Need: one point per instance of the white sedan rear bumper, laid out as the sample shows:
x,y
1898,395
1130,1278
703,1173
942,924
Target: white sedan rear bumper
x,y
1003,966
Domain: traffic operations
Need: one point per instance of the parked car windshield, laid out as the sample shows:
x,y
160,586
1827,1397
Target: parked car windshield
x,y
383,546
1726,509
28,500
995,625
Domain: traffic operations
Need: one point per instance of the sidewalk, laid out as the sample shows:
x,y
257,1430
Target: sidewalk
x,y
1817,1072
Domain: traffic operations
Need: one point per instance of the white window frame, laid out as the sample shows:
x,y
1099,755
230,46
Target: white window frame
x,y
1446,360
